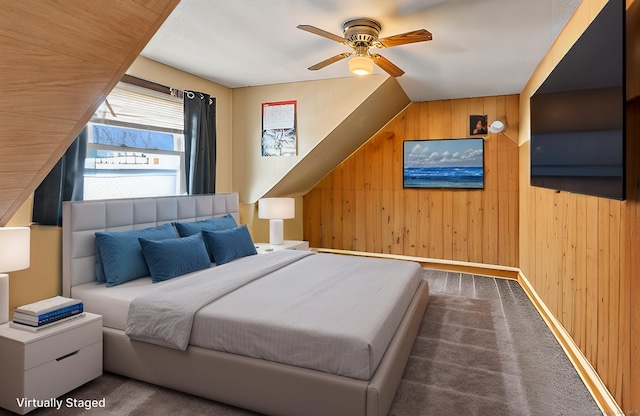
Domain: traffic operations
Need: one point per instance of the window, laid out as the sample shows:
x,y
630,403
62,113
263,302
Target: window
x,y
135,145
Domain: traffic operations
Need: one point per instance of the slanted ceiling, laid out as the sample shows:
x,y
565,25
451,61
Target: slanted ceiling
x,y
373,114
59,62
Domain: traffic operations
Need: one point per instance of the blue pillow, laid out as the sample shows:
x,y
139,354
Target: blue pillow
x,y
121,254
100,277
230,244
186,229
174,257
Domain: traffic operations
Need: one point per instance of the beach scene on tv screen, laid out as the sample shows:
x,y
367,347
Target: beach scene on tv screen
x,y
448,163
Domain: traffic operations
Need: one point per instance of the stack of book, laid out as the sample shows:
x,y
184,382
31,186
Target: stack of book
x,y
46,313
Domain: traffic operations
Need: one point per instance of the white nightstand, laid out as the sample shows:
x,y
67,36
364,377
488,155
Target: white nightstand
x,y
286,245
50,363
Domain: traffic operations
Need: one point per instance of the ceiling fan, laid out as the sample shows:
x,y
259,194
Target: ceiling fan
x,y
361,34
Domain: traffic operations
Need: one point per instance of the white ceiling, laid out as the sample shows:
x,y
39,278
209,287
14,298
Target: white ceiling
x,y
479,47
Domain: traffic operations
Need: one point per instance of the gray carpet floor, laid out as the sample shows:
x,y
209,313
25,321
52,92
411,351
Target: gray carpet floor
x,y
482,349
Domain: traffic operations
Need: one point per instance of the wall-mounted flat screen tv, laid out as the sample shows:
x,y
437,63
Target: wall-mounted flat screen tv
x,y
443,163
577,114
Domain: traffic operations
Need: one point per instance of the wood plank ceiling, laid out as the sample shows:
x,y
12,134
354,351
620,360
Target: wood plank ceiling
x,y
59,62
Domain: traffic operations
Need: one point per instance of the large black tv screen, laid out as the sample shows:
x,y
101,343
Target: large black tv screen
x,y
577,114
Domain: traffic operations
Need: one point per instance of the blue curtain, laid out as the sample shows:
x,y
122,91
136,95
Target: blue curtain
x,y
200,142
65,182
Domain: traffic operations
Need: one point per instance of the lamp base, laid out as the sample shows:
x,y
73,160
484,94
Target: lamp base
x,y
4,298
276,232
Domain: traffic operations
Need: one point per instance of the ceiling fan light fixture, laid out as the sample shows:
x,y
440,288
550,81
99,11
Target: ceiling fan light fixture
x,y
361,65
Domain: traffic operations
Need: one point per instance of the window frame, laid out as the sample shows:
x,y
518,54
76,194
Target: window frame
x,y
178,134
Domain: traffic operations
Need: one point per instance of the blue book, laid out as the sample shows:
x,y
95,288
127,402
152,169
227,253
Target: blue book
x,y
45,326
45,318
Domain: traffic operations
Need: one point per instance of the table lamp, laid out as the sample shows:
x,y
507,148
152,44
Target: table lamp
x,y
14,255
276,210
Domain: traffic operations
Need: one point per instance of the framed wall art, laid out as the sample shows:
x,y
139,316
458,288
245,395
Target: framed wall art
x,y
279,136
477,124
443,164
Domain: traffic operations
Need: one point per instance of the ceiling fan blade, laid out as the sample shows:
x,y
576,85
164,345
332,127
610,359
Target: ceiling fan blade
x,y
387,65
320,32
329,61
420,35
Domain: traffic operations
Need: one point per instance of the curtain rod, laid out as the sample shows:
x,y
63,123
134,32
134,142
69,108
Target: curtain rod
x,y
130,79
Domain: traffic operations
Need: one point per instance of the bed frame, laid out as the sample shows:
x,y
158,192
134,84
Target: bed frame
x,y
254,384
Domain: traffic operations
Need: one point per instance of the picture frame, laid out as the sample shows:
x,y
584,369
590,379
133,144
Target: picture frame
x,y
478,124
443,163
279,129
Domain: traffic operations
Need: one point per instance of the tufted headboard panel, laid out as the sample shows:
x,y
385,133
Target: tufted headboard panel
x,y
81,220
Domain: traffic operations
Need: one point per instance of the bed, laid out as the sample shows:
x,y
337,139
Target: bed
x,y
235,374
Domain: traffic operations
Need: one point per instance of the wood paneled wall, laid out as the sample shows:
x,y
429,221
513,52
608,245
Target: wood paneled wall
x,y
580,254
629,287
361,205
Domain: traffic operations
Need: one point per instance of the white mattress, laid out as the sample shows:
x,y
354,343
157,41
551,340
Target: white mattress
x,y
113,302
330,313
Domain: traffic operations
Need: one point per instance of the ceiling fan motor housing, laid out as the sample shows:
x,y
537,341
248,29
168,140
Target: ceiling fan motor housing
x,y
361,31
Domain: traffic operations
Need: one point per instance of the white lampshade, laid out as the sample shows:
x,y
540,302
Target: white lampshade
x,y
361,65
277,208
15,254
15,250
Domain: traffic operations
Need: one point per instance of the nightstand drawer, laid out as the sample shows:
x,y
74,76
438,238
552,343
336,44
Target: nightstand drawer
x,y
58,376
48,363
61,343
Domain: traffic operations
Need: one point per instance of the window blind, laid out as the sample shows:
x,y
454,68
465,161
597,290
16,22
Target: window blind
x,y
130,106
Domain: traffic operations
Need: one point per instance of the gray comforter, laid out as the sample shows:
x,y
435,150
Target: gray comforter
x,y
164,316
331,313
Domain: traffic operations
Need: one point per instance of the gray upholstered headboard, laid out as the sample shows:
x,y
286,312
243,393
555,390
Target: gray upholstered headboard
x,y
81,219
